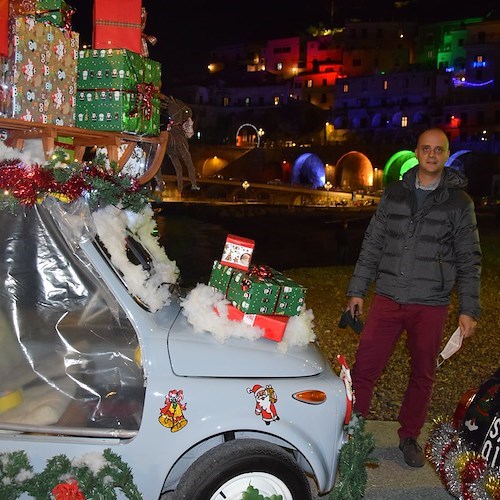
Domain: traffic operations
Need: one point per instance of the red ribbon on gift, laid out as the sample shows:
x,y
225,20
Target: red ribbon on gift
x,y
120,24
146,38
144,105
260,272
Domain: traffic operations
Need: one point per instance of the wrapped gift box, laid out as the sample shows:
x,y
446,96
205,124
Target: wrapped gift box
x,y
41,72
273,326
56,12
118,25
220,276
117,69
4,27
264,290
116,110
237,252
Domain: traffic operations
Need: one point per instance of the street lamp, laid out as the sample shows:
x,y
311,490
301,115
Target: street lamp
x,y
245,185
328,186
260,134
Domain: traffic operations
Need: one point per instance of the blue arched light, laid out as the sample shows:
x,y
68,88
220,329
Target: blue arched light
x,y
308,169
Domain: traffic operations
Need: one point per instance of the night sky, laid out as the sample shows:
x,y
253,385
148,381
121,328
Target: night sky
x,y
187,30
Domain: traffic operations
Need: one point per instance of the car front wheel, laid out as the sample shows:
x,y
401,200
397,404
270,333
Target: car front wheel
x,y
226,472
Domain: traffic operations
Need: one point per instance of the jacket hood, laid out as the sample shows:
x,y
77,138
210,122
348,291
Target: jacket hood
x,y
451,178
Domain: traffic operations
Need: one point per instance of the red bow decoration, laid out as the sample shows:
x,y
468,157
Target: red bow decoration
x,y
146,38
260,272
144,104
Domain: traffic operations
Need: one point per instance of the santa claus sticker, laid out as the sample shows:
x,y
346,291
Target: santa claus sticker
x,y
265,397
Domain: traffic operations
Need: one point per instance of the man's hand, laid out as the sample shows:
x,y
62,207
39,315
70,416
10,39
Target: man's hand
x,y
467,325
353,302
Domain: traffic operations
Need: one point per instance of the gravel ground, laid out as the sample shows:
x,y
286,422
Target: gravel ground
x,y
477,359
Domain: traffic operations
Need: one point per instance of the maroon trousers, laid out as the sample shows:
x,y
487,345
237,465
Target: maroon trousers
x,y
385,322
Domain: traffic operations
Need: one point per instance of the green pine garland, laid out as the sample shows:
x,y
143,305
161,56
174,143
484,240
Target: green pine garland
x,y
354,457
112,474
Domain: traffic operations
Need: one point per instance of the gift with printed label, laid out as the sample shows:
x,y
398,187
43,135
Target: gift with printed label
x,y
40,72
263,290
118,25
273,326
237,252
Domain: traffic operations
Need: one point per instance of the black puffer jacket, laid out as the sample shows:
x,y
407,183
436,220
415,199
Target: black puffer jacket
x,y
416,257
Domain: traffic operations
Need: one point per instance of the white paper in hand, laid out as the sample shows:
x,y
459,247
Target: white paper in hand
x,y
451,347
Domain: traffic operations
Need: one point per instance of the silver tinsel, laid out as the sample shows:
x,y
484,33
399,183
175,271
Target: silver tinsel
x,y
463,472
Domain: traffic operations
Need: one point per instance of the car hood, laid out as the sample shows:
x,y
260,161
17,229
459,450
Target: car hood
x,y
201,355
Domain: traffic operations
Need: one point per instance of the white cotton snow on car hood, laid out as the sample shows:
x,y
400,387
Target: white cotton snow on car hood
x,y
201,355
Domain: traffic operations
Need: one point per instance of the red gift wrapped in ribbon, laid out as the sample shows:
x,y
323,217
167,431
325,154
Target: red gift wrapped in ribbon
x,y
118,25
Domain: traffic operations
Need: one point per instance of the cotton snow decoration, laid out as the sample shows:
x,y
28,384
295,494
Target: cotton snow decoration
x,y
206,310
152,287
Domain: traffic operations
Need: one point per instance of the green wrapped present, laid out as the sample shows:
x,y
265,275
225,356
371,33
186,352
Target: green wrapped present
x,y
263,290
118,111
220,276
116,69
56,12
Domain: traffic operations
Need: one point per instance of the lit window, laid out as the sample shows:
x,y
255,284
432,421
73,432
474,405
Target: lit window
x,y
479,62
345,88
247,101
385,85
309,83
225,101
404,121
279,66
276,100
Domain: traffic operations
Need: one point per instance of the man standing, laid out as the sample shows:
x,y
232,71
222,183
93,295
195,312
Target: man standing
x,y
420,243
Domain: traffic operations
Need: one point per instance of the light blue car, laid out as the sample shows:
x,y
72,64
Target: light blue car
x,y
92,374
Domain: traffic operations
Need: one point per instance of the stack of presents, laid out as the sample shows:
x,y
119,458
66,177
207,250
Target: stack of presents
x,y
46,77
258,295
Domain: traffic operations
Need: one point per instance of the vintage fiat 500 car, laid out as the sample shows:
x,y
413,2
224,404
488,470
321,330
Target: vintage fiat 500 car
x,y
100,389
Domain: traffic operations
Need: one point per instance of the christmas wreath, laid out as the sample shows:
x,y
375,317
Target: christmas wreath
x,y
94,475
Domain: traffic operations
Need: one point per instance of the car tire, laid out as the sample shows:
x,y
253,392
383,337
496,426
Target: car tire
x,y
226,471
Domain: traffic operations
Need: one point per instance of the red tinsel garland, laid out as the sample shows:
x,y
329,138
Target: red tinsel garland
x,y
30,183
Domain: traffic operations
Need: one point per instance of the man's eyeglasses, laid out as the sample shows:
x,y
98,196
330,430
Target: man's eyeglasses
x,y
438,150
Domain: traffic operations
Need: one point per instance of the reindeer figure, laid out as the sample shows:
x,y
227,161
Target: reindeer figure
x,y
180,127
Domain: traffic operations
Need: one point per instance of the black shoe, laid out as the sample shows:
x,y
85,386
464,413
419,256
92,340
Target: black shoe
x,y
412,452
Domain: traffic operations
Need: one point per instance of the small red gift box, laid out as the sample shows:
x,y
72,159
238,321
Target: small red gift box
x,y
118,25
273,326
237,252
4,27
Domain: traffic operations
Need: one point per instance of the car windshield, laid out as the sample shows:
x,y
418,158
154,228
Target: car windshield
x,y
68,353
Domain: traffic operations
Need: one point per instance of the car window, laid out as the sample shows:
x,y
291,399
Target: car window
x,y
67,349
